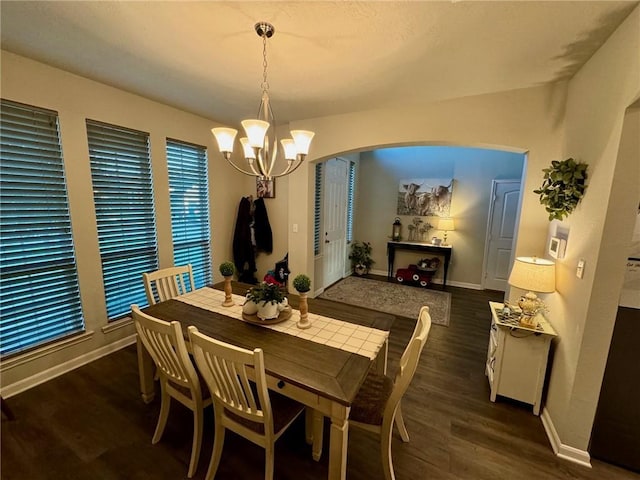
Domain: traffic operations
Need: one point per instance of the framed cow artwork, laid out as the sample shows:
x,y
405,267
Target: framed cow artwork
x,y
425,197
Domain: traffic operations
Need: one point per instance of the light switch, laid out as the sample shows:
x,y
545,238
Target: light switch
x,y
580,269
295,228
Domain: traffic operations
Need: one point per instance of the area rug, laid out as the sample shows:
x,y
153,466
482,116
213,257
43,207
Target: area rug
x,y
402,300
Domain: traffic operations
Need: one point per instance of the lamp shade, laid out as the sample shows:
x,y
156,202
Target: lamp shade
x,y
446,224
534,274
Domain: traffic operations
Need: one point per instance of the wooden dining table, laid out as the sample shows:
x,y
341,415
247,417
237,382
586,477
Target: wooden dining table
x,y
320,376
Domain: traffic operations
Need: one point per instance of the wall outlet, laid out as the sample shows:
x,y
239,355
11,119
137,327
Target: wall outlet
x,y
580,269
295,228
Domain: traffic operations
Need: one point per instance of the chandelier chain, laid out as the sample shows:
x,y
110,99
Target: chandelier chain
x,y
265,83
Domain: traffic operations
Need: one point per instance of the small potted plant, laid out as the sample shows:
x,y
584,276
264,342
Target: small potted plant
x,y
227,269
302,284
269,299
360,257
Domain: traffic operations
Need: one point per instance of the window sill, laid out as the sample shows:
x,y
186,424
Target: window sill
x,y
44,351
117,325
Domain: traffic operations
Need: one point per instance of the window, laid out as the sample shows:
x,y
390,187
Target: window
x,y
350,199
123,196
39,295
189,194
317,209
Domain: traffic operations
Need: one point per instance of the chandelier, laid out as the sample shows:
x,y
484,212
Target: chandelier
x,y
260,146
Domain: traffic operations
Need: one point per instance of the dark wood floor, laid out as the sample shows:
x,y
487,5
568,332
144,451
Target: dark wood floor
x,y
92,424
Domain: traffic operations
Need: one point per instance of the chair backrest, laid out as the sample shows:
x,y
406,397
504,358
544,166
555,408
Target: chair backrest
x,y
168,283
409,359
165,343
225,368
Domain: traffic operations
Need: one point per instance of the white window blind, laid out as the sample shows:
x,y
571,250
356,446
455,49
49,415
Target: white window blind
x,y
350,199
189,194
317,209
39,295
123,196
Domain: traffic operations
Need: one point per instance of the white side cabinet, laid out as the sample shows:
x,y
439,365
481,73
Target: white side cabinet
x,y
517,357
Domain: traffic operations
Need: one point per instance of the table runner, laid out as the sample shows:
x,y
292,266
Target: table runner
x,y
365,341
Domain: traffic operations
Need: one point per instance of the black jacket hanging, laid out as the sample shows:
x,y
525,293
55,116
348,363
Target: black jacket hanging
x,y
264,237
243,254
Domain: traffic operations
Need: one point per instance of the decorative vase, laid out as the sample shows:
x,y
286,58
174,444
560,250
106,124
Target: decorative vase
x,y
360,269
250,307
228,302
268,310
304,322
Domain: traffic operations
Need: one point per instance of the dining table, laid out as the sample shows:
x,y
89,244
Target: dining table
x,y
322,367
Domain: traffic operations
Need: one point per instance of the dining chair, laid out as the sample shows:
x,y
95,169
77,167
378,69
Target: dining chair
x,y
178,377
167,283
377,404
244,407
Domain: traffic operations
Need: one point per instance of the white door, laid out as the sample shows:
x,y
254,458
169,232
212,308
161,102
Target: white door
x,y
335,220
503,215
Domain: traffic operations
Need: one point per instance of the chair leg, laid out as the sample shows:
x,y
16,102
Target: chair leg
x,y
400,424
385,449
216,454
198,415
165,405
269,454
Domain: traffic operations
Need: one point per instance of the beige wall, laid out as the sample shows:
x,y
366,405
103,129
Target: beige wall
x,y
76,99
472,169
600,230
531,120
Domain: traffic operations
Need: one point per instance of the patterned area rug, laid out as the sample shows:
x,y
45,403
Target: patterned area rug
x,y
402,300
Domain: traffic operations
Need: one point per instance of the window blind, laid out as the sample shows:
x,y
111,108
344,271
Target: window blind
x,y
189,195
350,200
39,295
123,196
317,209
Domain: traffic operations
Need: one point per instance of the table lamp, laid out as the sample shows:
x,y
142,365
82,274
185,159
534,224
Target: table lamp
x,y
446,224
536,275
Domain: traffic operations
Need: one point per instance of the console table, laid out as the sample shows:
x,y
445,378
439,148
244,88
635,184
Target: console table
x,y
444,250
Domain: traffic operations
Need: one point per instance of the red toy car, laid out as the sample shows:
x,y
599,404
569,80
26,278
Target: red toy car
x,y
421,273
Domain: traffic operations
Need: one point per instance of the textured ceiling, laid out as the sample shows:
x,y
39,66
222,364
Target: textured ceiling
x,y
325,57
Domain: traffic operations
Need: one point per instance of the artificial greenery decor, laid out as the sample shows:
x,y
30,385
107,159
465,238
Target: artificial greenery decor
x,y
302,283
563,187
361,254
227,269
265,293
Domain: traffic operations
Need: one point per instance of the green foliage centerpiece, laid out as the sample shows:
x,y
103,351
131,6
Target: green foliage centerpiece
x,y
227,269
563,187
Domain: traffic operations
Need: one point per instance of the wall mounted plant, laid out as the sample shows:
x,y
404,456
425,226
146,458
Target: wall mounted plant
x,y
563,187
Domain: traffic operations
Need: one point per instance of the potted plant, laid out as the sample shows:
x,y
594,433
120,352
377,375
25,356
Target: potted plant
x,y
269,299
302,284
360,257
227,269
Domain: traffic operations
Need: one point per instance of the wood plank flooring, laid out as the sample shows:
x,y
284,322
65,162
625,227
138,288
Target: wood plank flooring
x,y
92,424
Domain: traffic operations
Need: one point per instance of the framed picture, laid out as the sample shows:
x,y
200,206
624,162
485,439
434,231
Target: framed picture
x,y
557,247
425,197
265,188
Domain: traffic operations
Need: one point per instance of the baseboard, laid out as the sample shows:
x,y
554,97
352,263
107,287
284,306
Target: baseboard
x,y
471,286
8,391
565,452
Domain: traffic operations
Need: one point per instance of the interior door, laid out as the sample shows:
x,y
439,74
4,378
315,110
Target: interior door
x,y
335,219
503,214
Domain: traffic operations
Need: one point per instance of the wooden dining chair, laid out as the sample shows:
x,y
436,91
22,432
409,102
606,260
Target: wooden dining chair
x,y
178,377
377,404
244,407
167,283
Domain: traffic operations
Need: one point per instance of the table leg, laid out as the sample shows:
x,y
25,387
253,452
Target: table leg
x,y
338,448
318,434
391,254
446,269
381,359
145,371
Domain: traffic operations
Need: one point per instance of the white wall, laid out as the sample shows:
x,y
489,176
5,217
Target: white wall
x,y
600,231
76,99
472,170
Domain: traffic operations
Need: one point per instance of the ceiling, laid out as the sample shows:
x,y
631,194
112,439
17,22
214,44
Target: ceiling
x,y
325,58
